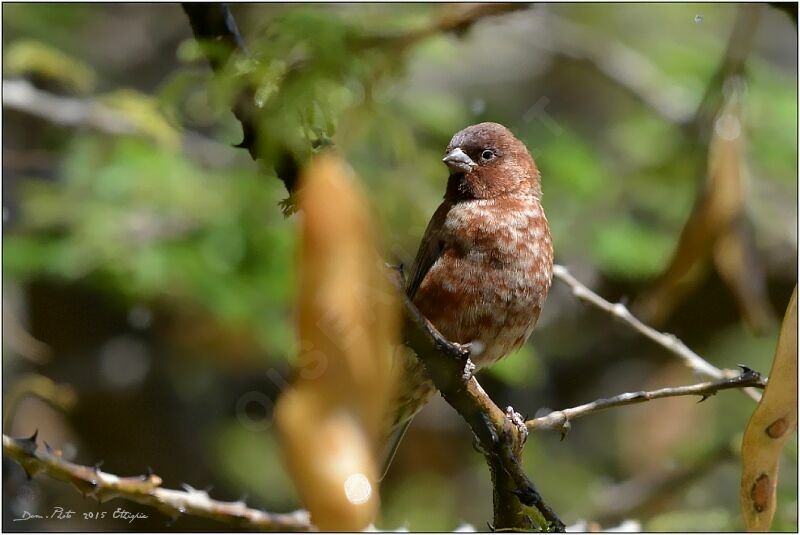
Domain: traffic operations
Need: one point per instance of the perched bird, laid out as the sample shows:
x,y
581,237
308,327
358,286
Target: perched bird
x,y
485,263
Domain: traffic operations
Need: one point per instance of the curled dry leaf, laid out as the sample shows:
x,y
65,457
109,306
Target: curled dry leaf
x,y
330,420
772,424
717,229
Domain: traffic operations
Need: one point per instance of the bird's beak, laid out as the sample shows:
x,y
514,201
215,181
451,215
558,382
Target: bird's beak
x,y
458,161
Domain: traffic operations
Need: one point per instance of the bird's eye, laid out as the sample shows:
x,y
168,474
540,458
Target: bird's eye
x,y
487,155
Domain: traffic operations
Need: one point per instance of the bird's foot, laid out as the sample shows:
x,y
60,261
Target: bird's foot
x,y
517,419
469,370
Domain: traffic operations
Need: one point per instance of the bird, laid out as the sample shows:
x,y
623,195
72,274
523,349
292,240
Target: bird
x,y
485,263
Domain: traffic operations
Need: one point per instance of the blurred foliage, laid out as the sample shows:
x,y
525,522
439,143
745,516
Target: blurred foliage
x,y
178,225
35,58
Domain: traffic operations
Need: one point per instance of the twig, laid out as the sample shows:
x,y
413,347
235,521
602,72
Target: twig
x,y
668,341
147,490
560,420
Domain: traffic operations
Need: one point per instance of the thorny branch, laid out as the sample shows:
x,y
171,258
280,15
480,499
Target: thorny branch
x,y
146,490
668,341
560,420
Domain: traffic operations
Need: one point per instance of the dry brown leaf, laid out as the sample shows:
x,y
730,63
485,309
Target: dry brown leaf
x,y
771,425
716,229
331,419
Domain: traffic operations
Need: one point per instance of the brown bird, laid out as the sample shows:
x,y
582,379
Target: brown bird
x,y
485,263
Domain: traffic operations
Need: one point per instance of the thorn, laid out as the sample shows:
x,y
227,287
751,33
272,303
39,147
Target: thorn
x,y
706,396
243,500
188,488
746,370
208,488
149,472
566,427
32,438
97,466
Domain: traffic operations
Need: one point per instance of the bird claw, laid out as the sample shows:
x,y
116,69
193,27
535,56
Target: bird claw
x,y
469,370
517,419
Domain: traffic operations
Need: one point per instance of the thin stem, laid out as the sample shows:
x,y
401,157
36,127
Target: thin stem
x,y
560,420
668,341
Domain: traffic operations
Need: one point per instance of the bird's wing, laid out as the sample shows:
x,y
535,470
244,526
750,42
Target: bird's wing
x,y
430,249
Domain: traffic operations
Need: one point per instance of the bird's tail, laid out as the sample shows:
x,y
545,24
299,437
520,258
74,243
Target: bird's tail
x,y
415,389
395,437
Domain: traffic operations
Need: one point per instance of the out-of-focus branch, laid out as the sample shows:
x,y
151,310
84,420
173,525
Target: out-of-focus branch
x,y
22,96
645,493
740,43
453,20
215,29
61,396
668,341
560,420
21,341
718,225
147,490
624,66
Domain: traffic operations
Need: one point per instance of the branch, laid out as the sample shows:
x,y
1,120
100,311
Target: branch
x,y
147,490
22,96
669,342
625,66
456,21
215,29
560,420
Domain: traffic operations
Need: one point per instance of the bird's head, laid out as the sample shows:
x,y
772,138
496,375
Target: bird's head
x,y
486,161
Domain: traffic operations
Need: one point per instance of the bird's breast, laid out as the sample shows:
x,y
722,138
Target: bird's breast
x,y
493,275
